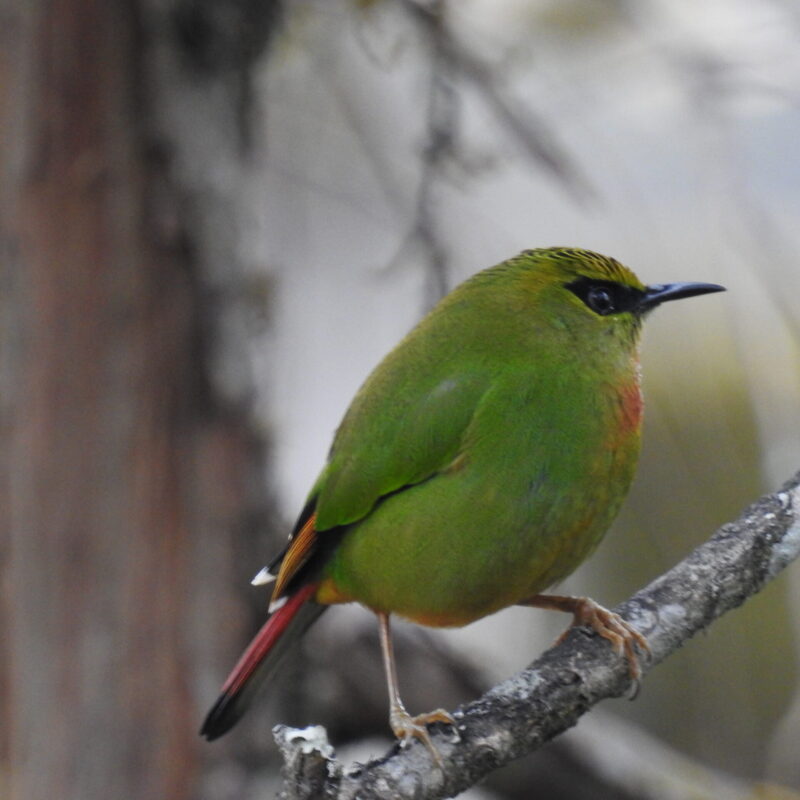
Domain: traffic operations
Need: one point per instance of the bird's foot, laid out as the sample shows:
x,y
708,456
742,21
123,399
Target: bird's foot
x,y
406,728
624,638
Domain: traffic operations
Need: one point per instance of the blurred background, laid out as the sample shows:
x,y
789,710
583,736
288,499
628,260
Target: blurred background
x,y
217,215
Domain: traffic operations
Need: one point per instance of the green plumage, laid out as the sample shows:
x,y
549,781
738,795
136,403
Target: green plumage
x,y
481,462
488,453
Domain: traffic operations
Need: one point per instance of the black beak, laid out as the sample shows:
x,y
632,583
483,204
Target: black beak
x,y
655,295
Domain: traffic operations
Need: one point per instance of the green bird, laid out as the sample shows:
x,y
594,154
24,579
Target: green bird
x,y
481,462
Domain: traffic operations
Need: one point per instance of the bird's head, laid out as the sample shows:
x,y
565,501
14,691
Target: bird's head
x,y
590,294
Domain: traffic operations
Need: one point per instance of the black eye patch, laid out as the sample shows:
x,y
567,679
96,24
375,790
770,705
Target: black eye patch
x,y
606,297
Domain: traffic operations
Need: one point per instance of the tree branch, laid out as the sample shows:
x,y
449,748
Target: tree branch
x,y
525,711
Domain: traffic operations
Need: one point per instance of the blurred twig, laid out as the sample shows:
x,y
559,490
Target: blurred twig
x,y
634,761
450,61
440,131
532,133
522,713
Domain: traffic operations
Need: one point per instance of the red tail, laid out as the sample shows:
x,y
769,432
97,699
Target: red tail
x,y
262,655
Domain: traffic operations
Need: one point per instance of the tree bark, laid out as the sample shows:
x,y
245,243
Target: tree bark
x,y
125,477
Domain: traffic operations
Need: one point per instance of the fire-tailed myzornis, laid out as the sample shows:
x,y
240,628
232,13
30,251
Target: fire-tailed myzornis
x,y
481,462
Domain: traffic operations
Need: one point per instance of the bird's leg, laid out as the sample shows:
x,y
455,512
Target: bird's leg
x,y
624,638
403,725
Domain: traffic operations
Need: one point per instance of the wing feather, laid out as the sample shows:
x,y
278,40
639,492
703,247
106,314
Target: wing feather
x,y
405,424
300,548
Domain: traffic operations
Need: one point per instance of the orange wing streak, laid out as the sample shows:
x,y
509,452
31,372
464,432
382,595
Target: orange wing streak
x,y
299,550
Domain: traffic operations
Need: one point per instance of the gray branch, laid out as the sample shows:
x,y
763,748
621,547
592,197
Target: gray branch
x,y
522,713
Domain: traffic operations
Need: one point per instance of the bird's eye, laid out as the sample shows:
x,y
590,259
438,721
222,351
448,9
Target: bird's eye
x,y
606,297
599,299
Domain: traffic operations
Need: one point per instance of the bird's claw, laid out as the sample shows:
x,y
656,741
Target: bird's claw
x,y
406,728
624,638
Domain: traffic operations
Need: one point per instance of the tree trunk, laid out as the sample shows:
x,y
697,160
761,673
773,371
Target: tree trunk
x,y
124,476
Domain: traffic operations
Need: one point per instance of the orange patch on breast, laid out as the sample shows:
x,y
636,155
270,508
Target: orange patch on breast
x,y
628,408
632,406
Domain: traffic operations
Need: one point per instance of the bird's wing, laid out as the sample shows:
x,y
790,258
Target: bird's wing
x,y
392,438
399,431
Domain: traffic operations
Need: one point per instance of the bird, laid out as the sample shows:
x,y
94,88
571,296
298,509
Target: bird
x,y
480,463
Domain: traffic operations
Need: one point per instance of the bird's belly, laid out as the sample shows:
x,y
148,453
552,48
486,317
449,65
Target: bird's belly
x,y
446,554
